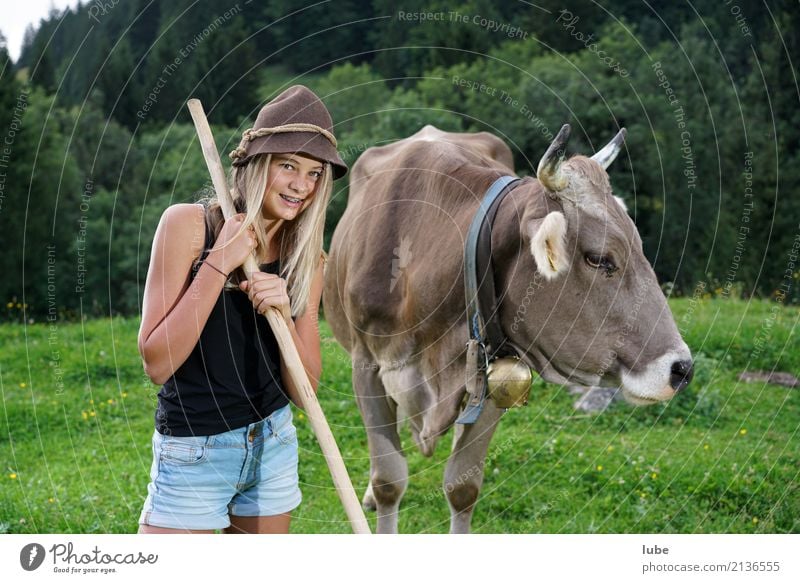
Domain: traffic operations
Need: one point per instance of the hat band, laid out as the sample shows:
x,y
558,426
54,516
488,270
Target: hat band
x,y
251,134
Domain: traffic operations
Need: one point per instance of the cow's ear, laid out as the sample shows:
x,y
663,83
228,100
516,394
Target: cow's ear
x,y
549,244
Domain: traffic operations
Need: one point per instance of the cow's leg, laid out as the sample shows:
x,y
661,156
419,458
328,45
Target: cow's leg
x,y
388,467
368,501
463,476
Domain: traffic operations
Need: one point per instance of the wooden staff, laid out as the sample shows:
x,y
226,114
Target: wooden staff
x,y
294,365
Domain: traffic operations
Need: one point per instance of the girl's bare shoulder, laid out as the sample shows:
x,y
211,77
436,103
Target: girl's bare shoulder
x,y
183,227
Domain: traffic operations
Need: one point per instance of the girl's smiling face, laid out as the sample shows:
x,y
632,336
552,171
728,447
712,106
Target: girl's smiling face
x,y
291,185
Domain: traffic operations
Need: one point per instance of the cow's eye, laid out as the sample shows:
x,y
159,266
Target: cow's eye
x,y
603,262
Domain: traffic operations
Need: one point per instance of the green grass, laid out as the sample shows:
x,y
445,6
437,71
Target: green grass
x,y
722,457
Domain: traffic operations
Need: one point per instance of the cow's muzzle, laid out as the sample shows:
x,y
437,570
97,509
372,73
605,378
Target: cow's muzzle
x,y
681,374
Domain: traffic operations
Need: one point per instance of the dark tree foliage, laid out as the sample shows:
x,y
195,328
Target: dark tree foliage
x,y
101,143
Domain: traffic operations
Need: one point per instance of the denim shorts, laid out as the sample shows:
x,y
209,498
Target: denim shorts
x,y
196,483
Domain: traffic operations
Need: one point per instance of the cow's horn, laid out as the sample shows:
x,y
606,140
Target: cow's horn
x,y
549,170
609,153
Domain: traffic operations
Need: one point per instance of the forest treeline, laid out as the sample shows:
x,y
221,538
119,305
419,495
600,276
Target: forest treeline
x,y
97,140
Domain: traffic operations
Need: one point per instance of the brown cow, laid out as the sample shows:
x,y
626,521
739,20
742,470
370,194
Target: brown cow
x,y
579,300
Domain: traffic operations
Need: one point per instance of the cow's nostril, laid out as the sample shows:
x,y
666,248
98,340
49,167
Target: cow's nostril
x,y
681,374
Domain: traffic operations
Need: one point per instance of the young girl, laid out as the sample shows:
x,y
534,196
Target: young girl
x,y
225,449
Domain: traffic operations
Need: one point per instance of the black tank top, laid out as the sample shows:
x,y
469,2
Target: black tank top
x,y
232,377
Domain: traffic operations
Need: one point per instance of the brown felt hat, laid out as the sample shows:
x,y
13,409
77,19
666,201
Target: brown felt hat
x,y
296,121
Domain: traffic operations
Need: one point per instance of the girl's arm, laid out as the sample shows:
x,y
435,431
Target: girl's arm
x,y
268,290
175,308
305,333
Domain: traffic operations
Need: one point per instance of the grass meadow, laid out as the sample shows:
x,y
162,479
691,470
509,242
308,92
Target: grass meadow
x,y
723,457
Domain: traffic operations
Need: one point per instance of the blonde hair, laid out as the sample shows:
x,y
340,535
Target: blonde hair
x,y
299,241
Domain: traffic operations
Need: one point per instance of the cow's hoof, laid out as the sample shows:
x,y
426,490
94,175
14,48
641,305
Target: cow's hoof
x,y
368,501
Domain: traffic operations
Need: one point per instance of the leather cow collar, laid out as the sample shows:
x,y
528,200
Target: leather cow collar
x,y
487,340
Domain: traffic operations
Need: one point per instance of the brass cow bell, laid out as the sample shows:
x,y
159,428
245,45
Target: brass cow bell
x,y
509,381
